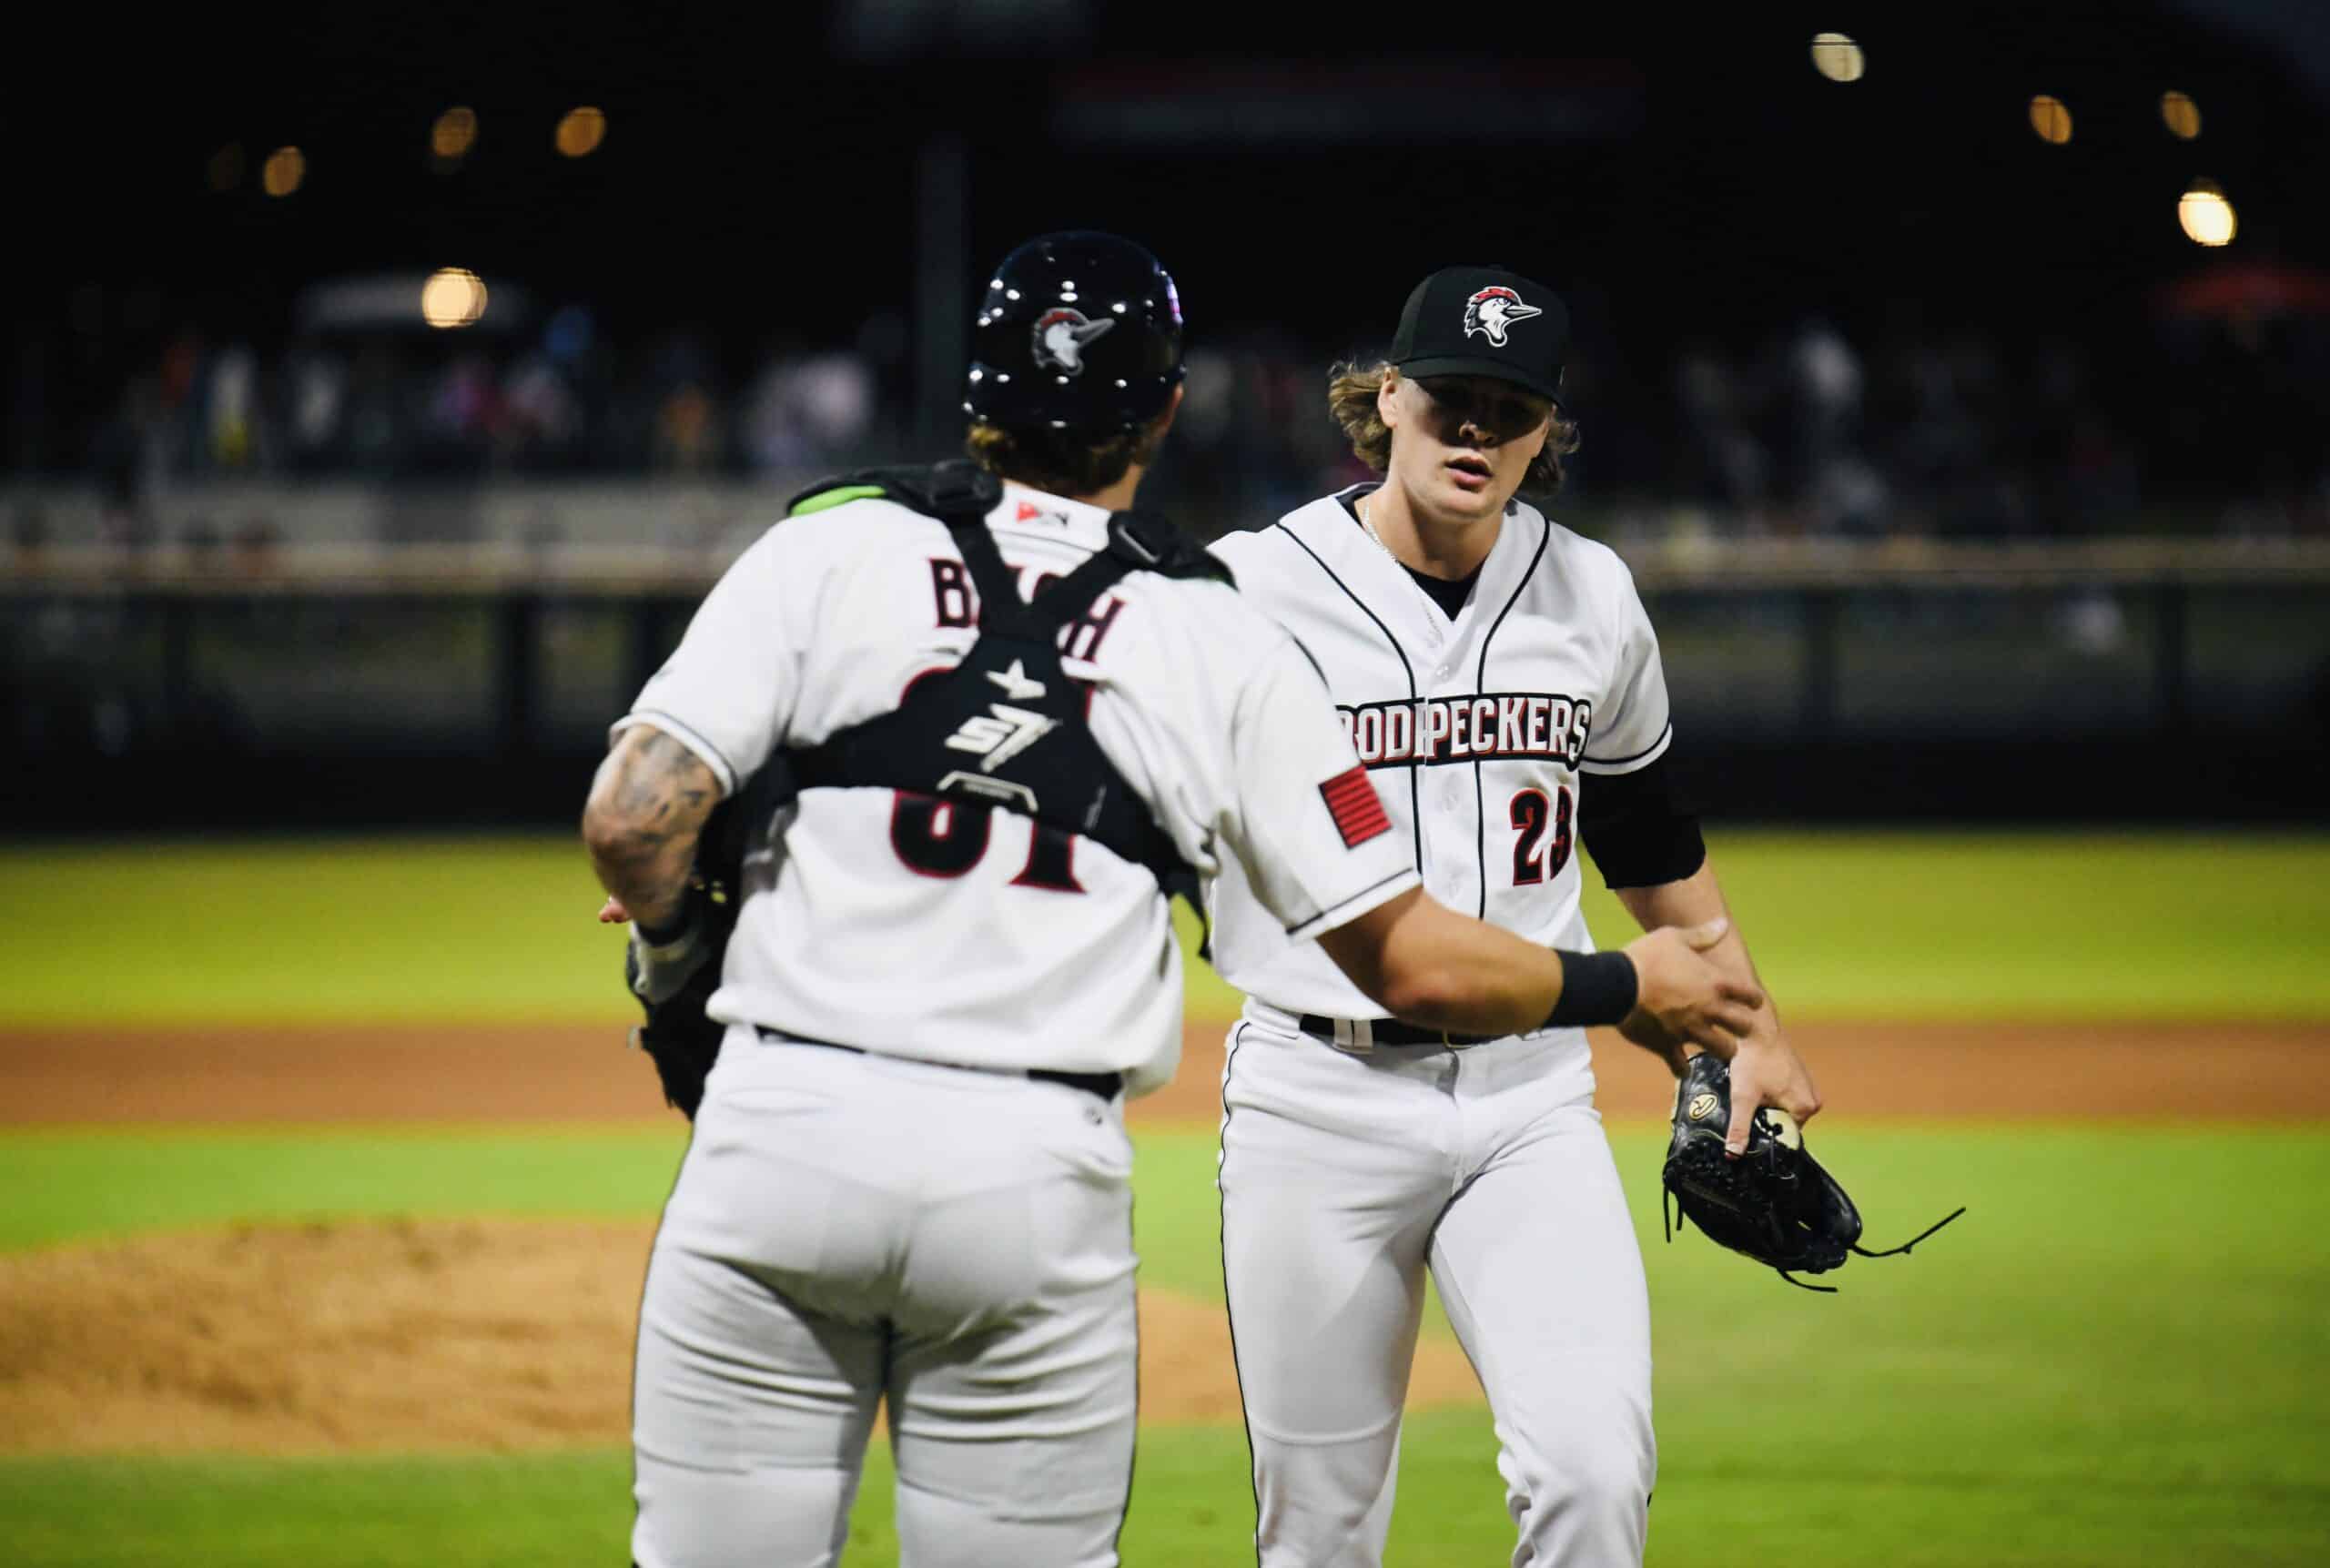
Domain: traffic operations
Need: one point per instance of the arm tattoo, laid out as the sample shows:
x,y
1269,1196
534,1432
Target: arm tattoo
x,y
647,806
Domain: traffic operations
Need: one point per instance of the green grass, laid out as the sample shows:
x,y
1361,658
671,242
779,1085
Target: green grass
x,y
1190,1507
67,1183
2117,1357
1903,926
2033,927
361,929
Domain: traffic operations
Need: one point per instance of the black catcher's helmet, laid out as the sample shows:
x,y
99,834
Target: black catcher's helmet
x,y
1079,332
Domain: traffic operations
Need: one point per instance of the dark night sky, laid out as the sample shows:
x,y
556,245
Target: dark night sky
x,y
1695,177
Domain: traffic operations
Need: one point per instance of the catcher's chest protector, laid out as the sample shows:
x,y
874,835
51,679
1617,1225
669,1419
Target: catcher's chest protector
x,y
1007,727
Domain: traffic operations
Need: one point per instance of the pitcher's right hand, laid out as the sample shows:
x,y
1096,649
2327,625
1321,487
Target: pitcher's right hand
x,y
1687,996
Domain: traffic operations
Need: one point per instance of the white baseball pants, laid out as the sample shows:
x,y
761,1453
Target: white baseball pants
x,y
852,1229
1344,1176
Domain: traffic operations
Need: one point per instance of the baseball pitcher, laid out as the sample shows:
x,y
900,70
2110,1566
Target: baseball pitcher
x,y
1500,684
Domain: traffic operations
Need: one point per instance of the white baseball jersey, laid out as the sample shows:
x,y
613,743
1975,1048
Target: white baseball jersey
x,y
968,933
1475,732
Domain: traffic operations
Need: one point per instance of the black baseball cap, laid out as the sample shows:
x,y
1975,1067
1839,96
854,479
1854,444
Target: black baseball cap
x,y
1485,321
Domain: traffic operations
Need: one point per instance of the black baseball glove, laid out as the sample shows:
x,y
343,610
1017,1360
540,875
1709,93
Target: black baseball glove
x,y
1774,1203
674,979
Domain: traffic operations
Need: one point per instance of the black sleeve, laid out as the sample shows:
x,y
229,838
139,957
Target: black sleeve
x,y
1636,828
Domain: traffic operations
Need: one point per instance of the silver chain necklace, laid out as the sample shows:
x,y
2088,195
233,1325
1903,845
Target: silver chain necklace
x,y
1362,509
1436,616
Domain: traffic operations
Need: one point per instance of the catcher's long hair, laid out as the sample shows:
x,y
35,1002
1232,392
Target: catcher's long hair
x,y
1351,398
1058,461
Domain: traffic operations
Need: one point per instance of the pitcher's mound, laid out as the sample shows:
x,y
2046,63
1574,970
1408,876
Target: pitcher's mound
x,y
410,1335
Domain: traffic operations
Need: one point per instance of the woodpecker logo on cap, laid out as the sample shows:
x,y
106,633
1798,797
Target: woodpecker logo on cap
x,y
1060,336
1492,310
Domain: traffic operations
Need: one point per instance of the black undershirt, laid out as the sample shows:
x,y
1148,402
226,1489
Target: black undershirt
x,y
1449,593
1637,827
1640,832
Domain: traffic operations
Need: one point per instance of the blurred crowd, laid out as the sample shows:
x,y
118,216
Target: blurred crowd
x,y
1968,434
566,401
1814,430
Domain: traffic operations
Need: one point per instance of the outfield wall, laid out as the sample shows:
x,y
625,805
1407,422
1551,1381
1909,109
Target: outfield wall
x,y
1812,681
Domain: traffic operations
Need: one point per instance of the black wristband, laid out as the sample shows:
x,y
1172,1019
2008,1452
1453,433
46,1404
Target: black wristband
x,y
1597,988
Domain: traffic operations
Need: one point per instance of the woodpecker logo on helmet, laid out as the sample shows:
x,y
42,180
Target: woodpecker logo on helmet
x,y
1492,310
1060,336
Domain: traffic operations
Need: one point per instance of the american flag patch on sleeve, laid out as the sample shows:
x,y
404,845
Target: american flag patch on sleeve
x,y
1358,811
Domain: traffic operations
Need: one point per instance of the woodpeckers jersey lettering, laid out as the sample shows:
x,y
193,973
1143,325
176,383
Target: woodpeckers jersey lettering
x,y
1475,732
957,932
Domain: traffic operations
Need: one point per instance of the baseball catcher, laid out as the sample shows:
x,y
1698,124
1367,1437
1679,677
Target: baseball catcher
x,y
1774,1202
674,972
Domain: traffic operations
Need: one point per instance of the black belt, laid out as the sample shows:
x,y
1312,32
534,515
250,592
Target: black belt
x,y
1108,1086
1392,1032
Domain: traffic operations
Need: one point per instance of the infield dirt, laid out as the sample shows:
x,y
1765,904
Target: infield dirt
x,y
507,1073
475,1335
404,1336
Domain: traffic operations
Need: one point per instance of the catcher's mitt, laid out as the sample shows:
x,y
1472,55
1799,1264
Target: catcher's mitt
x,y
1774,1203
678,1035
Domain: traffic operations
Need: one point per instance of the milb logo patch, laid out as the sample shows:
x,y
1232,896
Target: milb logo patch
x,y
1358,811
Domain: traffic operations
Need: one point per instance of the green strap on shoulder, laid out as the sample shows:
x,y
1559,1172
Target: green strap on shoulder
x,y
840,495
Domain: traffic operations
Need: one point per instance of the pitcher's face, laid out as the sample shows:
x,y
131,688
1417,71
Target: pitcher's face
x,y
1461,445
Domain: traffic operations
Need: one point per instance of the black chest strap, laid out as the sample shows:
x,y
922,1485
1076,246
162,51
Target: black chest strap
x,y
1008,726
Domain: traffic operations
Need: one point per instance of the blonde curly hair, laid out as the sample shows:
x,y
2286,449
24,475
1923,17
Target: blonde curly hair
x,y
1351,398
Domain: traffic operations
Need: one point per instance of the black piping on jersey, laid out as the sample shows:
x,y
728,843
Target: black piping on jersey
x,y
1415,813
1664,729
1309,657
1479,682
656,718
1221,1187
1354,898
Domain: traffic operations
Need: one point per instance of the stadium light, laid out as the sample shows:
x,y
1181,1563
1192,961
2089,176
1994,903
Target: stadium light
x,y
2207,216
454,133
284,171
2181,114
454,296
2051,120
581,131
1836,57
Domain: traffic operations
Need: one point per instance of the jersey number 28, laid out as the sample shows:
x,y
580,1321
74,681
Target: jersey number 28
x,y
1532,814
